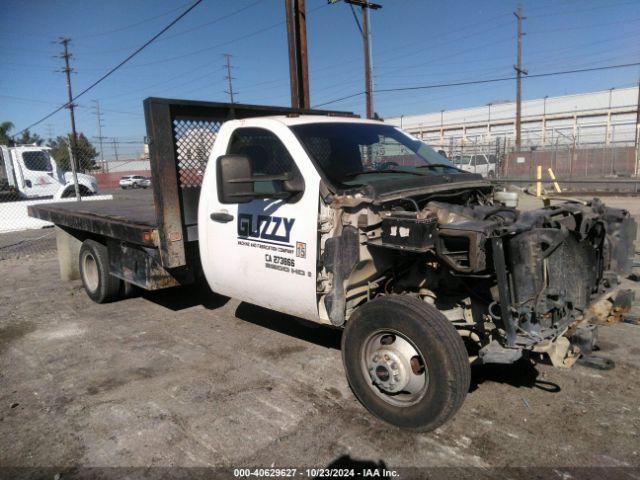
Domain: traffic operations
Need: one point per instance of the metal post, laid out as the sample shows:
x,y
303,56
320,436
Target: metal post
x,y
544,121
637,139
519,72
74,172
100,138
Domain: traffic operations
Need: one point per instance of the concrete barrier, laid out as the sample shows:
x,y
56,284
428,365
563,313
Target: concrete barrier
x,y
14,216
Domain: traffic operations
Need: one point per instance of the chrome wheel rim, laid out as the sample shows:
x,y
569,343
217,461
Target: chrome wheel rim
x,y
90,272
395,368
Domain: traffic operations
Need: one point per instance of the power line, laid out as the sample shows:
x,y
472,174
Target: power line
x,y
133,25
189,30
478,82
110,72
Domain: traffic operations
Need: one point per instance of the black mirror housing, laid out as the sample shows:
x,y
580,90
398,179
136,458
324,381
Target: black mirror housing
x,y
234,179
237,184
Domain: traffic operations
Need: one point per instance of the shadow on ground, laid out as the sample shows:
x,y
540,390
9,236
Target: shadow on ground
x,y
522,373
296,327
181,298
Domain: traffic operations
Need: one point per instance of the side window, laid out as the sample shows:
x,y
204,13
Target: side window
x,y
267,154
473,161
37,161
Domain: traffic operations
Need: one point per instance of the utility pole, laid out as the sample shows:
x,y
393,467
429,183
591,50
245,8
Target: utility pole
x,y
519,71
368,81
298,62
229,78
100,137
70,105
363,26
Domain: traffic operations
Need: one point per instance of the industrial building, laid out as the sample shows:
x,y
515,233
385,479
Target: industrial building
x,y
606,117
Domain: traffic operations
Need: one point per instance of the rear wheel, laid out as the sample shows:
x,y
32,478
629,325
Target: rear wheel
x,y
94,272
405,362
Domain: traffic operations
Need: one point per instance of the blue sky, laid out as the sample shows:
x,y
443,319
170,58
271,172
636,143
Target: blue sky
x,y
415,42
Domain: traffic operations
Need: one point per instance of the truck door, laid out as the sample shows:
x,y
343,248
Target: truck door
x,y
37,173
263,251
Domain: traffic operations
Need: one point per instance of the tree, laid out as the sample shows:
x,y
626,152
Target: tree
x,y
5,139
85,152
27,138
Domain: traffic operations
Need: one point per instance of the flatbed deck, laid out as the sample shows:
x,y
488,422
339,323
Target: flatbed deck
x,y
127,219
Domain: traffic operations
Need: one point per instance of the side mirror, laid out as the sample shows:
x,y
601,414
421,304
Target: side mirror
x,y
237,184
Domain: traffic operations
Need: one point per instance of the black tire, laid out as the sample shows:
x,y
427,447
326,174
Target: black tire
x,y
123,187
94,272
433,337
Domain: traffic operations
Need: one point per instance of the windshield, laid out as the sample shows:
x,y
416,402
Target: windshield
x,y
356,153
37,161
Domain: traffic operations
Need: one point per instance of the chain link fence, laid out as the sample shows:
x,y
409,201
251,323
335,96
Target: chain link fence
x,y
587,166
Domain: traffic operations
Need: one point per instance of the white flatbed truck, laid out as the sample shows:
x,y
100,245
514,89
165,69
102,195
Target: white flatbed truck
x,y
357,225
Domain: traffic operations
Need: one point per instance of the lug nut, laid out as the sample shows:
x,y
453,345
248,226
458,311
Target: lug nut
x,y
394,366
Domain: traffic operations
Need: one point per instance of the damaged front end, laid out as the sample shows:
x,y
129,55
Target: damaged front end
x,y
509,281
550,265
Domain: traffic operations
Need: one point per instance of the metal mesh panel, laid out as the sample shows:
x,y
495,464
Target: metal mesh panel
x,y
194,141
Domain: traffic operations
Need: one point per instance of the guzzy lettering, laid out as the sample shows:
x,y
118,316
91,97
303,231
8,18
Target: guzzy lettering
x,y
266,227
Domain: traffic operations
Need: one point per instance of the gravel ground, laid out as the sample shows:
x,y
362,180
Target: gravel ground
x,y
188,379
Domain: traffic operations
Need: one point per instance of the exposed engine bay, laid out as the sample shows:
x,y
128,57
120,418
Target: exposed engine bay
x,y
509,281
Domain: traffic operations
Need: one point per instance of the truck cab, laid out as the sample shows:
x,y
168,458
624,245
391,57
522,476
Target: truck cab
x,y
31,172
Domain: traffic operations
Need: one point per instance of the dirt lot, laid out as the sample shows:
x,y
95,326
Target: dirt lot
x,y
190,379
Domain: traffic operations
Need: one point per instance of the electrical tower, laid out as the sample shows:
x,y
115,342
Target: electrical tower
x,y
228,77
100,138
49,130
70,105
114,141
519,72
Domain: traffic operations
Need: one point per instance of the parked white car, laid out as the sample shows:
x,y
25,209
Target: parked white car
x,y
480,163
134,181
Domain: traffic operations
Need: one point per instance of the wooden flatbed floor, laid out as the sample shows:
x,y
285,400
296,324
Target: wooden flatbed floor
x,y
127,219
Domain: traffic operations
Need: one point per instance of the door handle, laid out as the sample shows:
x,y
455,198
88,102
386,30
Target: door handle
x,y
222,217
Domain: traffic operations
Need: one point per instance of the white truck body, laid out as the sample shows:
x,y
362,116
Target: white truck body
x,y
33,173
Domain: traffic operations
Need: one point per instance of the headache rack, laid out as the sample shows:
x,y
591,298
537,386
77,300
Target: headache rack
x,y
180,135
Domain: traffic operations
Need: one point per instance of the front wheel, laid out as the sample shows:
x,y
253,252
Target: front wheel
x,y
405,362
